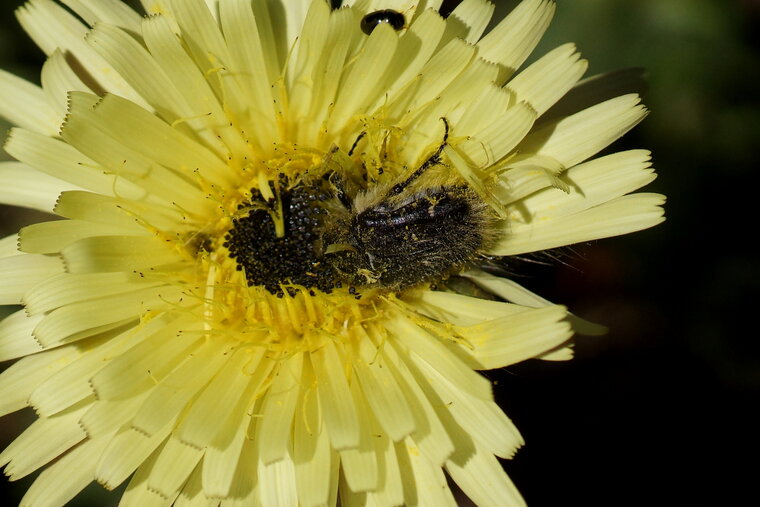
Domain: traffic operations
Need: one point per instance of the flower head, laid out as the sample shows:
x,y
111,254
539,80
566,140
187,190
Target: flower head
x,y
279,220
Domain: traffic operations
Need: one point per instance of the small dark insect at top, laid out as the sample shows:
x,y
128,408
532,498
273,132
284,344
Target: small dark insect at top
x,y
373,19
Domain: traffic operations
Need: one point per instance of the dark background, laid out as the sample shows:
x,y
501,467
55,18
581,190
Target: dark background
x,y
660,410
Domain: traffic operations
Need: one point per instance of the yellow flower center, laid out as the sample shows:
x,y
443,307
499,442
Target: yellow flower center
x,y
255,268
309,244
286,323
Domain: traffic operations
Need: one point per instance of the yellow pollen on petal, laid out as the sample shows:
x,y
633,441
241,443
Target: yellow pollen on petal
x,y
288,324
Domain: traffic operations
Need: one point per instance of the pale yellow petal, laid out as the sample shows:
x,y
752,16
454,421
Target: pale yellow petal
x,y
427,348
593,183
139,493
117,253
21,185
53,28
34,447
483,480
59,160
71,321
437,73
9,246
133,62
167,399
72,383
430,435
493,141
310,47
278,481
469,19
342,32
222,457
143,132
25,104
482,419
365,77
488,106
19,273
70,474
52,237
335,400
390,487
105,417
450,103
98,138
423,5
247,59
196,106
16,337
467,87
212,411
404,6
526,177
275,52
575,138
245,490
359,464
201,32
425,483
561,354
19,380
415,48
512,291
623,215
119,212
127,451
312,455
174,465
36,17
292,19
114,12
65,288
463,310
515,37
274,426
545,81
152,7
192,494
508,340
159,346
598,88
382,392
347,497
58,79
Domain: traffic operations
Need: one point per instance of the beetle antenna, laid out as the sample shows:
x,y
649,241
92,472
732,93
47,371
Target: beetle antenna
x,y
353,147
434,159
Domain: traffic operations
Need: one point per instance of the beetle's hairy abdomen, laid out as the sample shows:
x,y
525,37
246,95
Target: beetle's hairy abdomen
x,y
424,237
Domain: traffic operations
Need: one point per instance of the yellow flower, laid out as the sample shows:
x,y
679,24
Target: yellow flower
x,y
277,220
